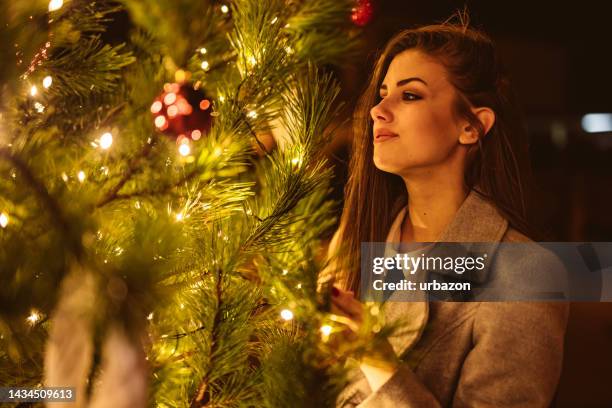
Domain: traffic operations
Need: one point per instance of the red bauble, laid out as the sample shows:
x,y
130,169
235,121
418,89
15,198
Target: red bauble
x,y
182,111
362,12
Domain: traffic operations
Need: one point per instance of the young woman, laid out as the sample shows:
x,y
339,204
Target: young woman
x,y
440,155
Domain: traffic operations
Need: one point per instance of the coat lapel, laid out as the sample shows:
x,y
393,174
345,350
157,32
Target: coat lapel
x,y
477,220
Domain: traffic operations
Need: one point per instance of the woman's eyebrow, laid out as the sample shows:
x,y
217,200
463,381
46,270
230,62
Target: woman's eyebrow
x,y
404,82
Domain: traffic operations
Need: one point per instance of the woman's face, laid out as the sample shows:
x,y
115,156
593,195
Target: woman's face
x,y
414,125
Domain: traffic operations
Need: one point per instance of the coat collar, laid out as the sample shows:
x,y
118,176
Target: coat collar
x,y
476,221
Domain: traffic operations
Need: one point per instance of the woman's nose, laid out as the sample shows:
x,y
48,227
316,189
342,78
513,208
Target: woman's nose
x,y
380,113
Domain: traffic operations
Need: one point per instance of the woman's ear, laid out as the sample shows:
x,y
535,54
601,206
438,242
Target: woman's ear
x,y
469,133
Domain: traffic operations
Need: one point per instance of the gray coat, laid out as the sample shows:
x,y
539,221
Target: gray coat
x,y
476,354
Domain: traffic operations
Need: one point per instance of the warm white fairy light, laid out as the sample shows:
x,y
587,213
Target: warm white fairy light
x,y
170,98
286,314
252,114
55,5
184,149
297,161
156,106
285,271
47,81
224,9
326,330
4,219
33,318
203,50
179,217
40,108
274,20
289,50
33,90
106,140
252,60
205,65
81,176
150,316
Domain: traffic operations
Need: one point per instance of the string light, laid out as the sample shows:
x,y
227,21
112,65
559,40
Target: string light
x,y
326,330
4,219
179,217
205,65
224,9
156,107
161,122
274,20
286,314
150,316
285,271
55,5
47,81
81,176
106,140
184,149
33,90
170,98
203,50
252,114
33,318
40,108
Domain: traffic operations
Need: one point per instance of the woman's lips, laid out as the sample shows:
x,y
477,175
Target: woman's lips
x,y
383,135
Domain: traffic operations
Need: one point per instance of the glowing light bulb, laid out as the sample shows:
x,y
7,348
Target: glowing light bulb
x,y
224,9
4,219
33,90
252,60
184,149
156,107
33,317
47,81
106,140
252,114
179,217
172,111
40,108
55,5
196,134
203,50
285,271
205,65
160,122
170,98
150,316
81,176
286,314
326,329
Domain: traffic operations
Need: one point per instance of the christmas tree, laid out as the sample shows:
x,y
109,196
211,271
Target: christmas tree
x,y
157,246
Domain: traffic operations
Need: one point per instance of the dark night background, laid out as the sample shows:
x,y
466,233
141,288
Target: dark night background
x,y
560,60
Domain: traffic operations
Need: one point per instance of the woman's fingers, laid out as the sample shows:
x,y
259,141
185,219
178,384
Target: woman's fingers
x,y
345,301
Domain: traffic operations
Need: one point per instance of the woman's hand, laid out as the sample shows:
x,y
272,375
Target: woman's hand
x,y
380,364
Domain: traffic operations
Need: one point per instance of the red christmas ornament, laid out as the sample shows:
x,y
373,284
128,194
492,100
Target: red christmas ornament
x,y
362,12
182,111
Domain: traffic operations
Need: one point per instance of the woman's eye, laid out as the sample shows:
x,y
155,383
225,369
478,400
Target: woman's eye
x,y
407,96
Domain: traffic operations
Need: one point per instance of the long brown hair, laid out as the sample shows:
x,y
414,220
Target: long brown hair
x,y
498,167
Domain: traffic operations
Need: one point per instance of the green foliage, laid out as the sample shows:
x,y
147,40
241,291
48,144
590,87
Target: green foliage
x,y
197,254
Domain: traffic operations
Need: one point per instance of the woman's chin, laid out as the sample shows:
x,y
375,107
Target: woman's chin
x,y
390,165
